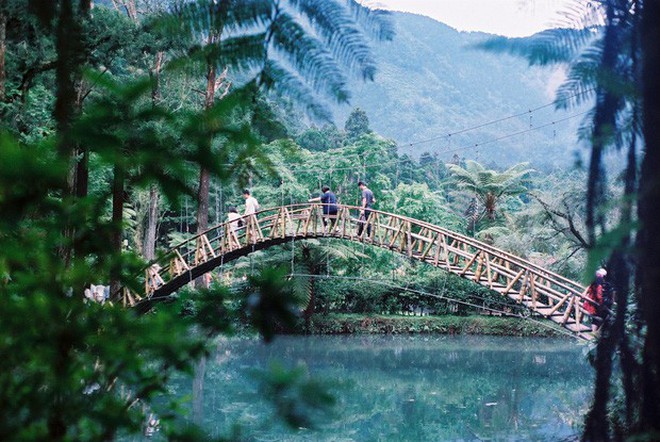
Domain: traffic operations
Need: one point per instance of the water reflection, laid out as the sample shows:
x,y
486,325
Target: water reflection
x,y
410,388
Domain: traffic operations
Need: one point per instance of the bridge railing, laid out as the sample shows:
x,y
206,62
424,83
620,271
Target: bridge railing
x,y
543,291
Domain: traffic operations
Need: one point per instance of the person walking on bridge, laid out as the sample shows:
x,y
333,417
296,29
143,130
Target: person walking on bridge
x,y
366,204
251,203
329,201
599,299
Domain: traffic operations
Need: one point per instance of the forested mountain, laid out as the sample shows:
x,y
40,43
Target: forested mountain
x,y
431,82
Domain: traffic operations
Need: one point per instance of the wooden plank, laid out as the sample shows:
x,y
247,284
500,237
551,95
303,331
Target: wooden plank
x,y
396,235
275,228
567,313
409,249
523,288
429,246
479,269
470,263
559,304
260,236
533,289
513,281
207,244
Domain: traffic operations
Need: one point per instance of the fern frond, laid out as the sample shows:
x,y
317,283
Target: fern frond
x,y
309,57
202,17
275,77
336,27
375,21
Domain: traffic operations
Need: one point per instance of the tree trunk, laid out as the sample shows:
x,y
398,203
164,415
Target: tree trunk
x,y
117,221
604,124
152,224
198,391
68,33
596,422
203,192
203,200
128,6
624,272
311,305
149,243
3,51
648,237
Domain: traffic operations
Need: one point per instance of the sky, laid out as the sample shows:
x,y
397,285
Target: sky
x,y
512,18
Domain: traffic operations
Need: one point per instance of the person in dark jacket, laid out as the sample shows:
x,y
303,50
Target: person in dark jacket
x,y
366,204
329,201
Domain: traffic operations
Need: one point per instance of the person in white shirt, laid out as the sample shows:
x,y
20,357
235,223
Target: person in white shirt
x,y
234,222
251,204
233,218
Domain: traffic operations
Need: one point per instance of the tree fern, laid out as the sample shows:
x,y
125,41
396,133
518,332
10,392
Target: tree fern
x,y
298,48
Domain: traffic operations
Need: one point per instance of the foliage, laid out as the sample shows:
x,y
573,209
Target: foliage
x,y
448,324
417,201
488,189
431,82
357,124
86,372
322,139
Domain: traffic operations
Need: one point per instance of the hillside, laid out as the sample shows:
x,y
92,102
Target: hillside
x,y
431,83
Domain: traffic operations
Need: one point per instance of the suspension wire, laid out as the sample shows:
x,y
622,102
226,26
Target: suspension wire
x,y
362,167
445,298
498,120
396,185
252,262
407,288
293,242
187,221
222,267
552,123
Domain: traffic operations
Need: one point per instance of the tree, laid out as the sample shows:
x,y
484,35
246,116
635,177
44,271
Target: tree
x,y
77,371
648,240
315,44
357,124
325,138
419,202
616,65
311,258
489,187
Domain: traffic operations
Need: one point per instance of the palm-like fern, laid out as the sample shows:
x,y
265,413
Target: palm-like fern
x,y
490,186
294,47
299,48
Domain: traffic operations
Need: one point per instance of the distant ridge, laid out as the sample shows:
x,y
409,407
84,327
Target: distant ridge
x,y
432,82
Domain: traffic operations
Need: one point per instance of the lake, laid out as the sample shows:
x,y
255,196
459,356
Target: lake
x,y
406,388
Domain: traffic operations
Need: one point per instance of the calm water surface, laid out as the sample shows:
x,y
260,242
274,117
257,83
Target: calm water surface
x,y
408,388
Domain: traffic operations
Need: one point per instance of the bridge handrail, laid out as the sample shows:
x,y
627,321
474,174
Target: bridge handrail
x,y
560,280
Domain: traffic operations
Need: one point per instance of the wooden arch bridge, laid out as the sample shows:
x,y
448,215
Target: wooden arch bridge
x,y
546,293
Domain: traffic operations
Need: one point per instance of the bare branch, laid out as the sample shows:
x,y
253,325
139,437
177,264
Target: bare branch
x,y
553,213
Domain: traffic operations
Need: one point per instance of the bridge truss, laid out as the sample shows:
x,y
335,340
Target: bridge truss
x,y
547,293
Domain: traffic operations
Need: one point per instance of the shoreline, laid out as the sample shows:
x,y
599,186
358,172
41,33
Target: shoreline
x,y
336,324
